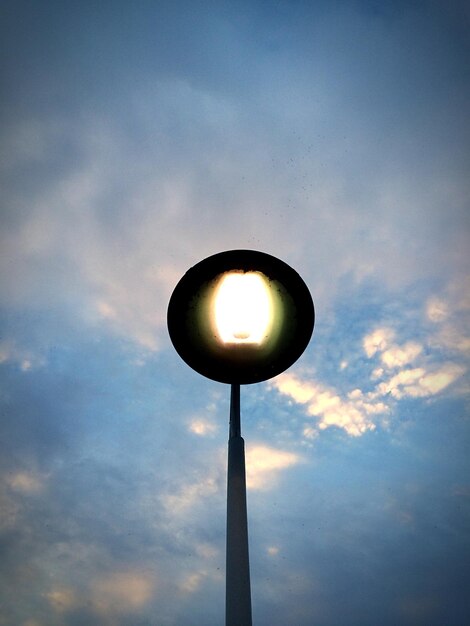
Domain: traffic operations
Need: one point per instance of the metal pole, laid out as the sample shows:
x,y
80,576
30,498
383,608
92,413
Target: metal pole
x,y
238,593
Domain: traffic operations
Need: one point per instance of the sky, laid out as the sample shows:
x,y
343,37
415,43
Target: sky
x,y
138,138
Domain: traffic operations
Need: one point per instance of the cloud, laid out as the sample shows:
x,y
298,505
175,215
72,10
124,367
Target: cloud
x,y
10,352
453,337
309,432
450,314
114,245
202,427
62,599
125,591
138,141
407,370
192,582
206,550
27,483
378,340
417,383
264,463
354,414
190,494
432,373
397,356
436,309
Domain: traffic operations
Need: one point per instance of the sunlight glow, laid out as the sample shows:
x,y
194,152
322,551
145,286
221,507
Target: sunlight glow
x,y
243,308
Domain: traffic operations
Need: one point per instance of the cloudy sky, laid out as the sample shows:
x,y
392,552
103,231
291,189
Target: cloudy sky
x,y
137,139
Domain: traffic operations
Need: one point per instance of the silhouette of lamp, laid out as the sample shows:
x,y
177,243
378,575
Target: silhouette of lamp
x,y
240,317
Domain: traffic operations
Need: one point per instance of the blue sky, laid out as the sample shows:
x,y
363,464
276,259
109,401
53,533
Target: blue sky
x,y
139,138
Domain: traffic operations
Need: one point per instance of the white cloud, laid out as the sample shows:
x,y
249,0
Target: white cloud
x,y
353,413
436,309
397,356
378,372
263,464
205,422
202,427
406,370
418,383
392,355
118,250
378,340
309,432
452,337
106,310
437,381
426,378
325,401
348,417
451,316
300,391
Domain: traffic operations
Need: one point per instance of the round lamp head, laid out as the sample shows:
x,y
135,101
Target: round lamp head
x,y
240,316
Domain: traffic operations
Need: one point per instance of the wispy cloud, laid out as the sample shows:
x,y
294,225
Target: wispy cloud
x,y
418,383
410,369
123,591
263,465
406,371
26,359
202,427
354,413
378,340
26,482
397,356
204,424
63,599
181,500
437,309
450,314
138,141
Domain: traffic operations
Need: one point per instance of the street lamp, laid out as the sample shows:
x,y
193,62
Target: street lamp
x,y
240,317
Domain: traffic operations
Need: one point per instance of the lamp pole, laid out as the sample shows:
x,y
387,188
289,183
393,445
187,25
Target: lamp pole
x,y
238,592
240,317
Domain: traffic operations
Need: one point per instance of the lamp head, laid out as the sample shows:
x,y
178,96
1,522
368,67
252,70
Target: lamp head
x,y
240,316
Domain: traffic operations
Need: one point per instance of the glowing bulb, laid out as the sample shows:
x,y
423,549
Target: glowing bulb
x,y
243,310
